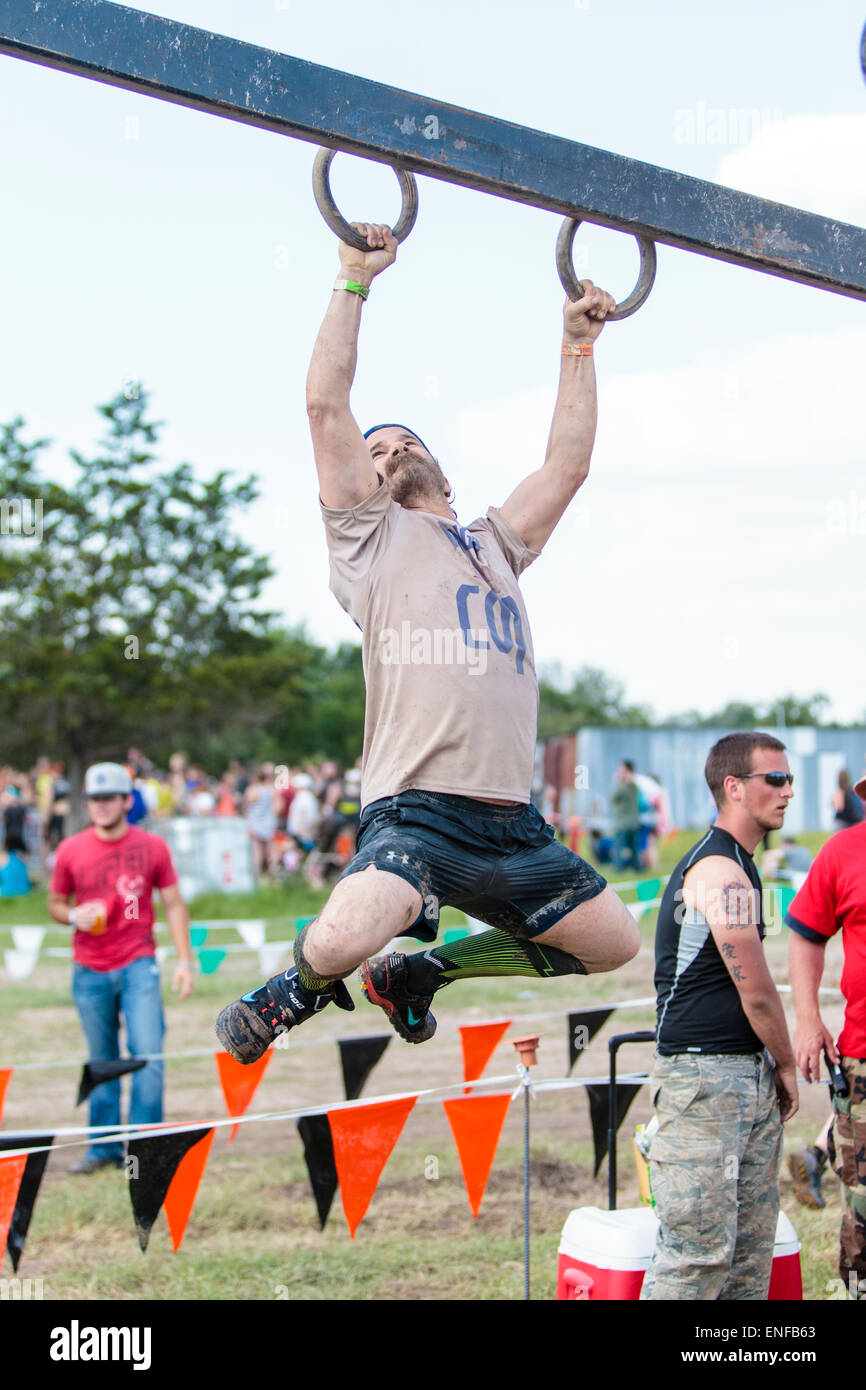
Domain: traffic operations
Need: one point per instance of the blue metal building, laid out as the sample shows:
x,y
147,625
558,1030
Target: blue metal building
x,y
583,766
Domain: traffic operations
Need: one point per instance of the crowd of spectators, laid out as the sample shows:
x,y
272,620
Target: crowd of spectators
x,y
291,813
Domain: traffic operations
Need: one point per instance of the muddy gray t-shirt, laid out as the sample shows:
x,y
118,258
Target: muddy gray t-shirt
x,y
452,694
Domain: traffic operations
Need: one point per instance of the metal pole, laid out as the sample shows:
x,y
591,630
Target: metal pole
x,y
526,1049
611,1130
526,1293
613,1045
174,62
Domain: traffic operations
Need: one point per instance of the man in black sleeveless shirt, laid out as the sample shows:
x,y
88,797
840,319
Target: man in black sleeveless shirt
x,y
720,1102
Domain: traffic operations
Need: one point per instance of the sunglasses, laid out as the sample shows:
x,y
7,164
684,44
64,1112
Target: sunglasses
x,y
772,779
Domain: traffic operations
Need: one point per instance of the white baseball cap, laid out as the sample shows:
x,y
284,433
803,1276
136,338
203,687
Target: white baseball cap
x,y
860,785
107,779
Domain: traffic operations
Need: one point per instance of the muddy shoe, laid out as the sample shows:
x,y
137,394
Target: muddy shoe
x,y
384,982
247,1027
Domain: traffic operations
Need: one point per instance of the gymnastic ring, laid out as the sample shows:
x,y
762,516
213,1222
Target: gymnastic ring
x,y
574,289
334,218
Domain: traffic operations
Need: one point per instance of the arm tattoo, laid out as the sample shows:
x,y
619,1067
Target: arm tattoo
x,y
730,954
736,905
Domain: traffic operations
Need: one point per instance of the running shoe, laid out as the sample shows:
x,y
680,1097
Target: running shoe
x,y
247,1027
385,982
806,1167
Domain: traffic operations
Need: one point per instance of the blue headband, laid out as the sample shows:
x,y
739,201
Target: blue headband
x,y
392,426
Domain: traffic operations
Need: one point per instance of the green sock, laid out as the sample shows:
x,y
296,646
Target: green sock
x,y
489,953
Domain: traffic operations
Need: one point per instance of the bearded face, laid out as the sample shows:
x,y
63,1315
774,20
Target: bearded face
x,y
413,476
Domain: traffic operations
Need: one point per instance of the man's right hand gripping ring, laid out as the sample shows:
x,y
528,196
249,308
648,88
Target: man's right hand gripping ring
x,y
334,218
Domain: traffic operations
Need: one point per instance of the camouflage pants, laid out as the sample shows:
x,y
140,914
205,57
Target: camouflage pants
x,y
847,1150
714,1166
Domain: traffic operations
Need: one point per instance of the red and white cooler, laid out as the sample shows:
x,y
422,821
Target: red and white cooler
x,y
604,1255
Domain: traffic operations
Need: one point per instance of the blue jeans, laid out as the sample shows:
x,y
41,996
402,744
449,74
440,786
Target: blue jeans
x,y
100,997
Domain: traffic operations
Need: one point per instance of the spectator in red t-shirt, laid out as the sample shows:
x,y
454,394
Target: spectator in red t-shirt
x,y
833,898
111,870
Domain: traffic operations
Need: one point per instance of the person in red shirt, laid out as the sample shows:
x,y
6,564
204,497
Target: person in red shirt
x,y
111,870
833,898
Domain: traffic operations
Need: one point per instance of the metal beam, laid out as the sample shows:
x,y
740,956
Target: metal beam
x,y
175,62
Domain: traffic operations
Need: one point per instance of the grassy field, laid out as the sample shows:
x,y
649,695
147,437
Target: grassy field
x,y
253,1233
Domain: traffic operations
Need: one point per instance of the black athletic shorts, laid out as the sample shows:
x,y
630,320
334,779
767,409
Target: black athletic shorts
x,y
502,864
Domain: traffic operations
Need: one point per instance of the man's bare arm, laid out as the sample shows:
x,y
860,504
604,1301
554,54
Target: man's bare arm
x,y
58,907
811,1035
346,473
177,916
726,898
86,914
537,504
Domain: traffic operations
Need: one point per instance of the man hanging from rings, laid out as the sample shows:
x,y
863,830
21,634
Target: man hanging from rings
x,y
451,711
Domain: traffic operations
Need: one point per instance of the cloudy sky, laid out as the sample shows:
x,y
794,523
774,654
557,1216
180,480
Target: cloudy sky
x,y
718,549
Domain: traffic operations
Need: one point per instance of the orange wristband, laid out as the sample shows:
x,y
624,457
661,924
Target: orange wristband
x,y
577,349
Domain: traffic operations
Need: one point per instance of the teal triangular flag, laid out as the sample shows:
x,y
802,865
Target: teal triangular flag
x,y
210,960
648,889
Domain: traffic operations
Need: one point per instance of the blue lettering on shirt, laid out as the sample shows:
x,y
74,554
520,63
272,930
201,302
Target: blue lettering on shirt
x,y
463,615
462,539
510,618
509,621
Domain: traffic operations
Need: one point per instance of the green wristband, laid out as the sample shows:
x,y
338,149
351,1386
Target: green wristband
x,y
362,290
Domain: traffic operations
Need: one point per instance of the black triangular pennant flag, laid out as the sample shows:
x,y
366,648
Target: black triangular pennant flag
x,y
94,1073
315,1135
599,1105
582,1028
150,1165
358,1057
29,1187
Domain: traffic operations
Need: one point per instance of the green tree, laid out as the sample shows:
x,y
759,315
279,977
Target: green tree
x,y
590,698
126,611
799,713
736,714
740,714
309,704
332,723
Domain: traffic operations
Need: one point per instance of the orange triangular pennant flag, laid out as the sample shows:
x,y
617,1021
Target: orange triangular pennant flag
x,y
364,1136
11,1173
183,1187
476,1123
479,1043
239,1082
5,1074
